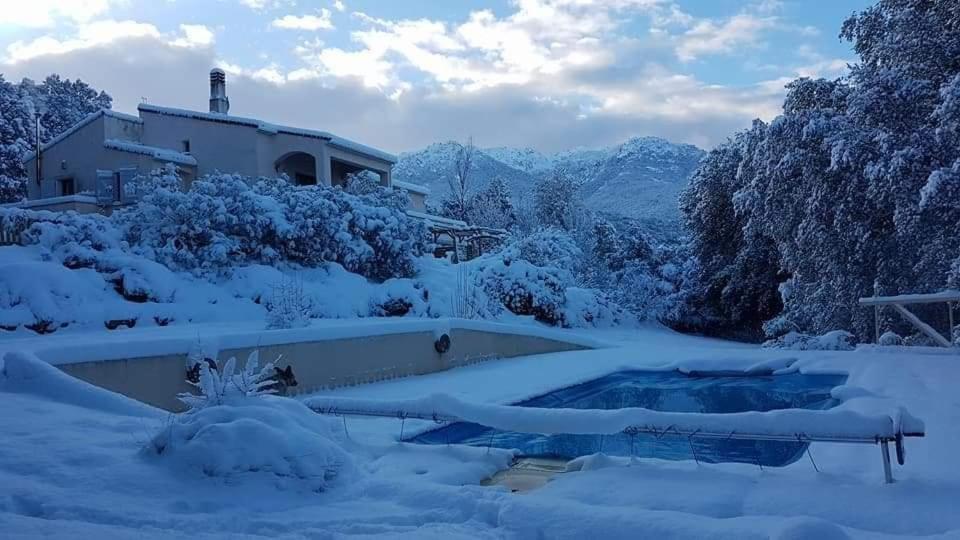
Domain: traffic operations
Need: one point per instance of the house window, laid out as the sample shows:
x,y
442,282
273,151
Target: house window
x,y
186,146
67,186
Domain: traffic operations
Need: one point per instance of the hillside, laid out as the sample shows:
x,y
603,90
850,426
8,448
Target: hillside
x,y
640,178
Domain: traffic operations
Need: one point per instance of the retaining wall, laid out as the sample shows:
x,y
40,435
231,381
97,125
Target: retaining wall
x,y
320,364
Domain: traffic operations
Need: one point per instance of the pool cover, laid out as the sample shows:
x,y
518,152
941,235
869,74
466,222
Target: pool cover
x,y
660,391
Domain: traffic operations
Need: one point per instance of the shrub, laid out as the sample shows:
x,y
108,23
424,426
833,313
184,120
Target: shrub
x,y
224,220
547,248
288,307
836,340
526,289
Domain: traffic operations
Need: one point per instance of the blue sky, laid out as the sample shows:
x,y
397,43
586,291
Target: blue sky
x,y
548,74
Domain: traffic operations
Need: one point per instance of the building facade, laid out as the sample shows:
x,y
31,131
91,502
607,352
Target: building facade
x,y
98,158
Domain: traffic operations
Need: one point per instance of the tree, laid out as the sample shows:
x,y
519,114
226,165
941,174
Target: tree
x,y
851,191
15,140
493,206
456,204
61,103
606,247
556,203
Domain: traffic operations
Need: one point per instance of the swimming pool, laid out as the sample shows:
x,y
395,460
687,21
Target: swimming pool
x,y
660,391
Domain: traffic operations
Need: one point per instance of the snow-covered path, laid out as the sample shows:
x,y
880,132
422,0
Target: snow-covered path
x,y
71,472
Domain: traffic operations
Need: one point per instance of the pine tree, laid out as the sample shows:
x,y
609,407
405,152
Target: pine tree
x,y
493,206
15,141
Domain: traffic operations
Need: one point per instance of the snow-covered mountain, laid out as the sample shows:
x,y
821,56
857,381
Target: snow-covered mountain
x,y
640,178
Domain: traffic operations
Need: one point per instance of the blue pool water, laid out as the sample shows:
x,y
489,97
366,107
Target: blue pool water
x,y
660,391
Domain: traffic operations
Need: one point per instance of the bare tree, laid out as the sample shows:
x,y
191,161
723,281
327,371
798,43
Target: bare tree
x,y
460,181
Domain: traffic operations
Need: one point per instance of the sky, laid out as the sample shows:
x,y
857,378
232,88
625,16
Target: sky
x,y
401,74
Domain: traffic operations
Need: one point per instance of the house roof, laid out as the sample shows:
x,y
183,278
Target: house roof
x,y
271,129
79,125
159,154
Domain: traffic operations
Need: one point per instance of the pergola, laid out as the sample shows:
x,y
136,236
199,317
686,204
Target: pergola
x,y
900,301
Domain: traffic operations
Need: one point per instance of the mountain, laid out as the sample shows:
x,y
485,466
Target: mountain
x,y
640,178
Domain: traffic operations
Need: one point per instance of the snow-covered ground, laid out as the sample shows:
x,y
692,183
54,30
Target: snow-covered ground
x,y
73,463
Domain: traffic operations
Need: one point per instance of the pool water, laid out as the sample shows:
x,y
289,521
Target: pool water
x,y
660,391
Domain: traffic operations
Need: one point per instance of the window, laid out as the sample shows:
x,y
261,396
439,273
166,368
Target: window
x,y
186,146
67,186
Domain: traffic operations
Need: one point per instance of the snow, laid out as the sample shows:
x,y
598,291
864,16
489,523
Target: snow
x,y
79,125
160,154
414,188
790,423
77,198
82,468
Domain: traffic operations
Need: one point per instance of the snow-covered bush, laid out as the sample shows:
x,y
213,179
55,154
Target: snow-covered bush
x,y
224,385
288,307
398,298
526,289
269,436
836,340
590,308
890,338
234,426
225,220
464,301
547,248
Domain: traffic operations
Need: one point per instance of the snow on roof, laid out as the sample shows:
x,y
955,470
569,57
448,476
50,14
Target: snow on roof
x,y
456,223
414,188
76,198
159,154
272,129
76,127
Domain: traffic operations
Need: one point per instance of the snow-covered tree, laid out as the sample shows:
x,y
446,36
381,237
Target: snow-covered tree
x,y
456,204
61,103
16,138
493,206
850,192
556,203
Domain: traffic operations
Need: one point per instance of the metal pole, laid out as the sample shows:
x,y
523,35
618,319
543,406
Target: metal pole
x,y
38,150
885,451
950,312
876,323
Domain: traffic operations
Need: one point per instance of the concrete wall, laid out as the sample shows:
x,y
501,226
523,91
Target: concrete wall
x,y
78,156
319,364
216,146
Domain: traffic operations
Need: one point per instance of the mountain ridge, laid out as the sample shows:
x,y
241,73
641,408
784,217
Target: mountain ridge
x,y
639,178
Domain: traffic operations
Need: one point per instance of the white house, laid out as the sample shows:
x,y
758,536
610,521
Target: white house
x,y
86,167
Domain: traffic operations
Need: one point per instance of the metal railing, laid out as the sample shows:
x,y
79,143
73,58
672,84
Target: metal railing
x,y
895,436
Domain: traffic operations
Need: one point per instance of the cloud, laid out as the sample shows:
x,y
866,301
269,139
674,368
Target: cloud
x,y
305,22
100,33
708,37
551,74
45,13
194,35
261,5
592,109
339,5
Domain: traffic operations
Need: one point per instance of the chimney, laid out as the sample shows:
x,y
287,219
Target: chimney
x,y
218,92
